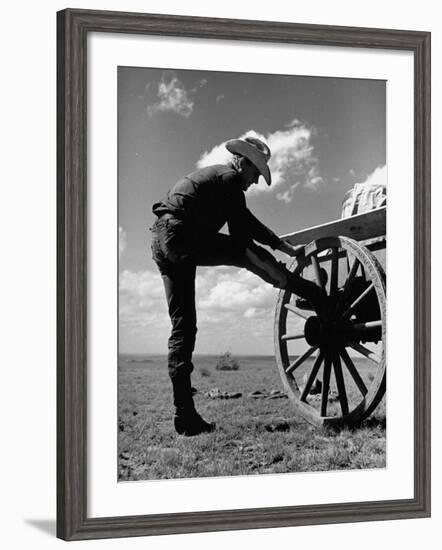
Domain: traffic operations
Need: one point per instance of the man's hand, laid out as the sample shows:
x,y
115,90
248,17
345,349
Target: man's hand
x,y
291,250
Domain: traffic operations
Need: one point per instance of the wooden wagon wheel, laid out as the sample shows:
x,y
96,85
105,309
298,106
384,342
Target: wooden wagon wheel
x,y
348,327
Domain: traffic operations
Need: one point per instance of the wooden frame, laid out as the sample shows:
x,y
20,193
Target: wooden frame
x,y
73,27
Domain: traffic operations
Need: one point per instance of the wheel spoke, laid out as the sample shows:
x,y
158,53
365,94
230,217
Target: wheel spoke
x,y
348,282
348,312
354,372
325,386
317,270
296,336
334,271
312,377
373,356
300,360
351,275
297,311
367,326
340,384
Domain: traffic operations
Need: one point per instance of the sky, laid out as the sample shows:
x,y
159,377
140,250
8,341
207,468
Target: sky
x,y
325,134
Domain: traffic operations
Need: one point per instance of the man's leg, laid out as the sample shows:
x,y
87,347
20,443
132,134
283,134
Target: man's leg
x,y
179,284
224,250
261,262
178,274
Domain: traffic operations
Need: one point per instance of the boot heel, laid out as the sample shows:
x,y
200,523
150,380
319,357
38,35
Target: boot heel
x,y
192,425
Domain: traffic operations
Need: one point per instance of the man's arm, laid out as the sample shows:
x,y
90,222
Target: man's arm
x,y
243,225
261,233
291,250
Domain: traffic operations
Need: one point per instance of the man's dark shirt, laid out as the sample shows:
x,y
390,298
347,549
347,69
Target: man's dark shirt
x,y
210,197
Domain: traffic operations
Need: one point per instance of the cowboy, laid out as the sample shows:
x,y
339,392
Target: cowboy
x,y
186,235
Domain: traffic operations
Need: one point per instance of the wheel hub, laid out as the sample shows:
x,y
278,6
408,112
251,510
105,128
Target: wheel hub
x,y
323,333
314,331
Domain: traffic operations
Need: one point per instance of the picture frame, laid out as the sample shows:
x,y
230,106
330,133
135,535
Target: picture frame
x,y
73,28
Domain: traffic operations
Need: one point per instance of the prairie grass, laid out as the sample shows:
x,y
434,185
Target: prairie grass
x,y
253,436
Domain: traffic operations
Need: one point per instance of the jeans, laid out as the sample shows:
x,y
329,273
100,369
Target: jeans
x,y
177,251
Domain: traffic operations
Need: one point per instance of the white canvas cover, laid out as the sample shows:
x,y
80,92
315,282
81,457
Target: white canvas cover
x,y
364,197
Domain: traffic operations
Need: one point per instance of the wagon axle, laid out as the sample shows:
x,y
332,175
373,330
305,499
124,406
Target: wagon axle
x,y
336,333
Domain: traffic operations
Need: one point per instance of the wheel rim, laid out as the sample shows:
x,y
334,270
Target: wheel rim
x,y
342,343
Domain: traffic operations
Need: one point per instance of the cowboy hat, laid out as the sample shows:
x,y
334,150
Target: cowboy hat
x,y
255,150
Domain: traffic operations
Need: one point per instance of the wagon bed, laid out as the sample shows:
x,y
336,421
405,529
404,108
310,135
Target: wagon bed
x,y
361,227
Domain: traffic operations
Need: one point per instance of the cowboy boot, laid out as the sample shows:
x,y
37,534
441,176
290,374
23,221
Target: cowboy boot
x,y
308,291
186,420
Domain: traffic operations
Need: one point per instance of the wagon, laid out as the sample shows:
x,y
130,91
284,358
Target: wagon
x,y
332,358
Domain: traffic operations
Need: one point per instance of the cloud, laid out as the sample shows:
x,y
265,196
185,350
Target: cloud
x,y
219,97
232,290
288,194
218,155
141,297
376,178
313,179
219,291
235,310
173,96
122,241
293,162
143,321
228,300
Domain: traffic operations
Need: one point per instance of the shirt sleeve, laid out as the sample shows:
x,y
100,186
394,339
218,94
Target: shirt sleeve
x,y
244,226
262,233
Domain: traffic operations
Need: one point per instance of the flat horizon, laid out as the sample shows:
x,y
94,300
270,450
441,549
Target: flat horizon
x,y
248,355
150,354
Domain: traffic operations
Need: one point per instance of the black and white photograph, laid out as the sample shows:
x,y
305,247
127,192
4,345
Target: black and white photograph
x,y
252,273
220,231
